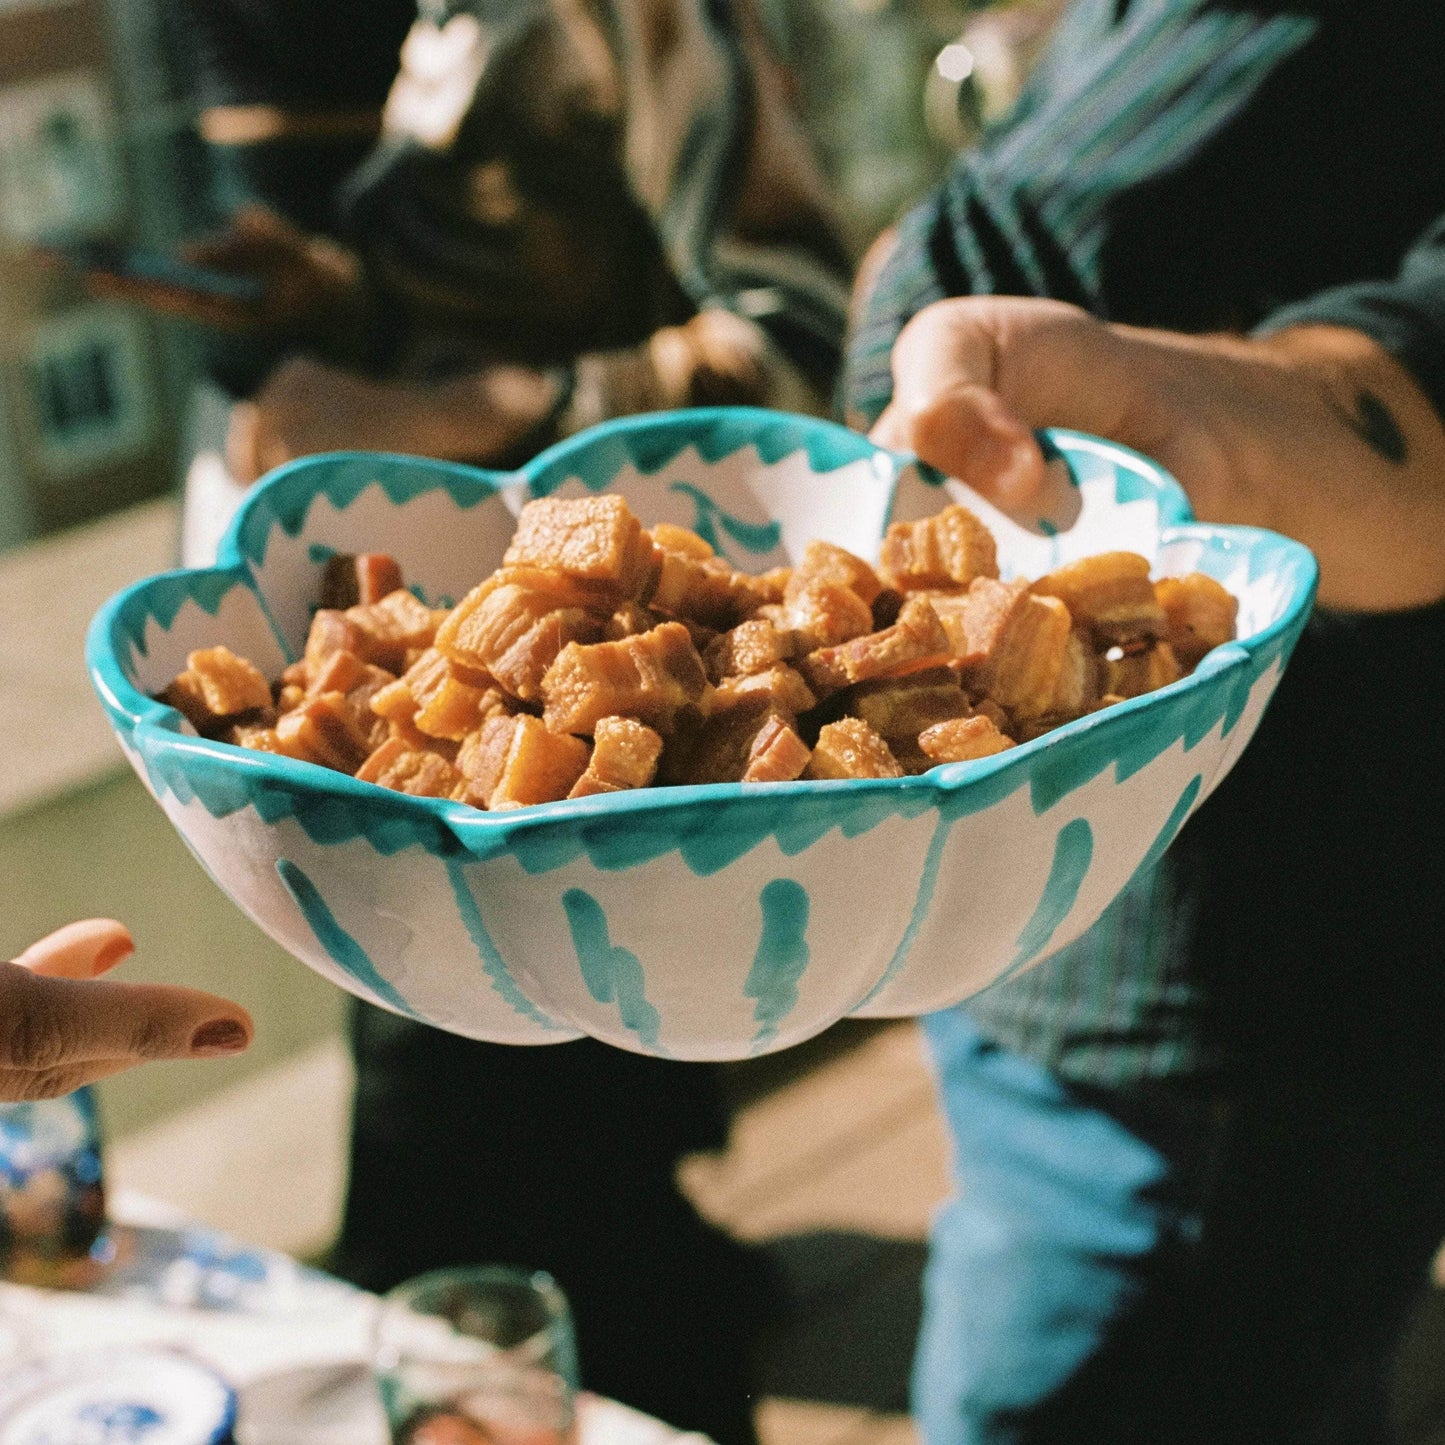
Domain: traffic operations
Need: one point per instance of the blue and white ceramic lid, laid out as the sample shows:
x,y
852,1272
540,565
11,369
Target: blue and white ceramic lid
x,y
117,1397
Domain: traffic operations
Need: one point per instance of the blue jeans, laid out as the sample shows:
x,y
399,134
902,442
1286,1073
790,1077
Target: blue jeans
x,y
1173,1267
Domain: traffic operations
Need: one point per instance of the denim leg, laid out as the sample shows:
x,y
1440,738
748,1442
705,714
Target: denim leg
x,y
1050,1292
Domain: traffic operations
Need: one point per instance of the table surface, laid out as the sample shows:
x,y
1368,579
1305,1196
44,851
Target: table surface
x,y
293,1342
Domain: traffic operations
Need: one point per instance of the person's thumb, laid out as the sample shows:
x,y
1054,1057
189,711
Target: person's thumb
x,y
973,377
79,950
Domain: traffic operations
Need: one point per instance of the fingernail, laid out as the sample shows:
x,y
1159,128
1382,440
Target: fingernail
x,y
220,1036
112,953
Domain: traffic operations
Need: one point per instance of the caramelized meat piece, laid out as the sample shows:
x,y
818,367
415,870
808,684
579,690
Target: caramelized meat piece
x,y
1078,686
216,688
630,620
339,672
680,541
257,737
515,635
849,748
512,762
916,641
624,755
706,591
393,626
404,697
779,689
1024,670
824,614
1109,595
899,709
650,678
823,562
1133,673
946,552
332,632
350,580
777,754
1198,615
325,730
719,750
960,740
458,708
750,647
405,770
595,540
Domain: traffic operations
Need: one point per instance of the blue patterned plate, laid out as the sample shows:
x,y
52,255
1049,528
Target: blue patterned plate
x,y
704,922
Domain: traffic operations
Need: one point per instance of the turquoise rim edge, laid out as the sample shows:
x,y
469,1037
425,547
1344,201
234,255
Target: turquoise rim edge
x,y
328,804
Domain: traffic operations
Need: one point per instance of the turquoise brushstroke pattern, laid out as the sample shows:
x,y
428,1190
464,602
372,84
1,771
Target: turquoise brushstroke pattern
x,y
782,956
492,960
343,948
612,974
1073,853
757,537
922,902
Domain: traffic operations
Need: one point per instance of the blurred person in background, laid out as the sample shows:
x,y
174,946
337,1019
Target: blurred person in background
x,y
62,1026
545,214
1200,1153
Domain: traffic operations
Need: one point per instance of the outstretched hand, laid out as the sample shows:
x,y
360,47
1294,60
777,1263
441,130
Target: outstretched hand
x,y
61,1026
1315,431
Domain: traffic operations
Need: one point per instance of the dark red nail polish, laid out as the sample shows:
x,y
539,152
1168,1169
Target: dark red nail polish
x,y
220,1036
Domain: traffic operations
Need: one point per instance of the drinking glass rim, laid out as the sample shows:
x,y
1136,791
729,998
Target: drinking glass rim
x,y
528,1350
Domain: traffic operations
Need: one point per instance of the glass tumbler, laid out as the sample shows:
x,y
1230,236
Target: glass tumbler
x,y
477,1357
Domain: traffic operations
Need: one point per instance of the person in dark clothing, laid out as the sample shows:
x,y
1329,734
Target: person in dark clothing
x,y
1200,1151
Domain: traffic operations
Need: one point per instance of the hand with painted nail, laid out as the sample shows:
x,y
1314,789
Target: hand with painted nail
x,y
1314,431
62,1026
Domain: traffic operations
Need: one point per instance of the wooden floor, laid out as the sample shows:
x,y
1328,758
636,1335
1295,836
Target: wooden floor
x,y
838,1158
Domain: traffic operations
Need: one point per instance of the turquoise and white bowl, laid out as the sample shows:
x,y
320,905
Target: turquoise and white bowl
x,y
703,922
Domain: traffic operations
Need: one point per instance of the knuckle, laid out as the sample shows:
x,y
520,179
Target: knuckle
x,y
51,1083
32,1033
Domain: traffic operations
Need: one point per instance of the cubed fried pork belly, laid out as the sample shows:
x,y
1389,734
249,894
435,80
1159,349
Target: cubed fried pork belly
x,y
404,769
777,754
392,627
899,709
779,689
718,750
326,729
1198,615
916,641
823,562
513,762
707,591
595,540
748,648
944,552
651,678
1109,596
1025,670
514,634
821,614
849,748
348,580
216,688
1132,673
625,754
961,739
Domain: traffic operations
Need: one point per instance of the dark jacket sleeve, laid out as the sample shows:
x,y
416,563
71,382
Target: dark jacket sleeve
x,y
1406,314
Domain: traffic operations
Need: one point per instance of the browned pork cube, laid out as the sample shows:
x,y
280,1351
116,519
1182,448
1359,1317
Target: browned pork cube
x,y
849,748
325,729
406,770
514,634
898,709
823,614
779,689
215,688
1199,615
1133,673
823,562
651,678
681,541
349,580
392,627
1078,686
777,754
708,591
946,552
1024,671
750,647
719,750
960,740
624,755
330,632
916,641
595,540
1109,595
513,762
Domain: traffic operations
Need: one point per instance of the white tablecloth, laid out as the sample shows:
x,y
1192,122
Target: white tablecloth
x,y
291,1341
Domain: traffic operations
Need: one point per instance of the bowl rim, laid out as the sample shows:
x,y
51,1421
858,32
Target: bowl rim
x,y
153,724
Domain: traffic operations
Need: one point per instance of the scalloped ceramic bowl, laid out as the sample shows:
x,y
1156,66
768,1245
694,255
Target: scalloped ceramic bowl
x,y
703,922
